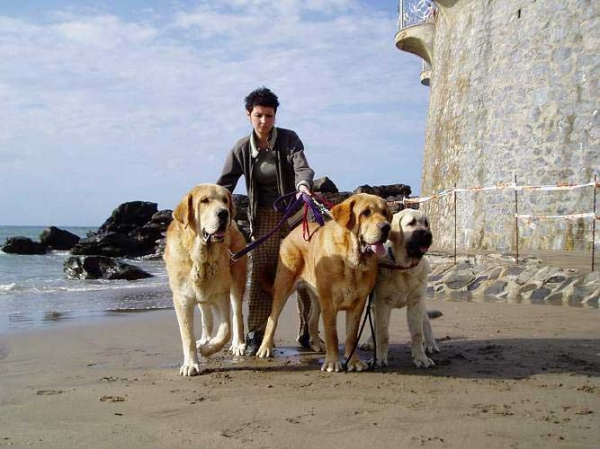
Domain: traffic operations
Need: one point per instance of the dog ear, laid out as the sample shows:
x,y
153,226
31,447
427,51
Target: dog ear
x,y
397,232
184,212
232,210
343,214
396,235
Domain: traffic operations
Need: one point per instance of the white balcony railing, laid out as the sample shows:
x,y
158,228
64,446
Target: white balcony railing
x,y
415,12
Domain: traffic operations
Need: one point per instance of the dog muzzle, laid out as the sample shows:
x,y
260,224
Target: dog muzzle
x,y
376,248
216,237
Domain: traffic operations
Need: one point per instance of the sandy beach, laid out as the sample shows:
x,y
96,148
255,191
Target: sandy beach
x,y
508,375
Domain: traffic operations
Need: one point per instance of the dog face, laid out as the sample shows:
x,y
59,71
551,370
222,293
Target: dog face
x,y
208,210
410,229
366,216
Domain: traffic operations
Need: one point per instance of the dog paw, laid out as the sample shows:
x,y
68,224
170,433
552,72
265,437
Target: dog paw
x,y
208,349
381,363
202,342
265,351
431,347
318,346
423,362
189,369
366,346
331,367
238,349
356,365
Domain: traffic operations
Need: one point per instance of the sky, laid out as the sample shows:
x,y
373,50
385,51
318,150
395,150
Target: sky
x,y
108,101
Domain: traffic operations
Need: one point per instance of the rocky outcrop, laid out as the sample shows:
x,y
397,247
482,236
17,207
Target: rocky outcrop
x,y
496,277
100,267
134,229
324,185
392,193
60,239
111,244
23,245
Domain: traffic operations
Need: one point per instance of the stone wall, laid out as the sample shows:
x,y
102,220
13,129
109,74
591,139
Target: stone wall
x,y
515,91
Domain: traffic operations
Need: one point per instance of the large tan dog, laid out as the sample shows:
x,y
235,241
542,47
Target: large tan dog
x,y
339,266
197,256
402,282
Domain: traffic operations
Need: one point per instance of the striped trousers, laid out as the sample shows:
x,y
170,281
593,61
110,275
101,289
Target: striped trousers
x,y
263,266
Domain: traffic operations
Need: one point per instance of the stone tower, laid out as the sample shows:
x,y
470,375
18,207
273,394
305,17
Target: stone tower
x,y
514,94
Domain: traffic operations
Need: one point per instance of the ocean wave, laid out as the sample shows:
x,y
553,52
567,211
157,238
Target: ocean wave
x,y
8,287
84,286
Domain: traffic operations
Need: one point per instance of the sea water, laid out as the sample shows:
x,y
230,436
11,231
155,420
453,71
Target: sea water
x,y
34,291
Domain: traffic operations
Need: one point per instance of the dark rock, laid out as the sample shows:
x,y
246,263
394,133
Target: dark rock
x,y
512,271
324,185
23,245
528,287
476,283
394,194
395,191
147,236
134,229
540,293
496,288
458,280
58,238
495,273
241,203
556,279
162,218
111,245
334,198
99,267
128,216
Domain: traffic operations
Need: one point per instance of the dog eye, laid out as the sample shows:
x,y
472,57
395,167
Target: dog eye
x,y
366,213
426,223
204,200
413,222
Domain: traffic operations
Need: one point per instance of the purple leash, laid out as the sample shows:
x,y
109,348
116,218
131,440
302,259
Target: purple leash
x,y
279,205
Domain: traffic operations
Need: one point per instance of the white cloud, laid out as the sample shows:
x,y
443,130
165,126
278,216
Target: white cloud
x,y
123,109
104,32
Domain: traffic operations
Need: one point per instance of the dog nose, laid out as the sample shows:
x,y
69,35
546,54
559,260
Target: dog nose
x,y
223,214
384,227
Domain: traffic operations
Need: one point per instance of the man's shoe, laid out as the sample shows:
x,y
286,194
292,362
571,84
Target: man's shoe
x,y
304,341
253,342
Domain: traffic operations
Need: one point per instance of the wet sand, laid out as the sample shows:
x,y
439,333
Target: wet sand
x,y
508,376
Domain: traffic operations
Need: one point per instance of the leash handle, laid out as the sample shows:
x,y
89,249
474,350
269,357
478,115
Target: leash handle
x,y
317,208
278,205
309,201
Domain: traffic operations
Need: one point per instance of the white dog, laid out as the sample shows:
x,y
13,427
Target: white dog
x,y
402,281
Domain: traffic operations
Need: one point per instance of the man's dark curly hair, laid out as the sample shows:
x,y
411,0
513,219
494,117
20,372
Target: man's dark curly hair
x,y
261,97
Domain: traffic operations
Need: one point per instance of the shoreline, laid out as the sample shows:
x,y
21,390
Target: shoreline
x,y
32,321
508,375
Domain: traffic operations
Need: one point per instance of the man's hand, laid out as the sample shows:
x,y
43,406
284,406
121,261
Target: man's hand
x,y
303,189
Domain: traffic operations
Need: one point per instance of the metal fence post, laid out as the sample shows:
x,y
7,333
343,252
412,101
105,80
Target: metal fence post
x,y
594,222
454,223
516,224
